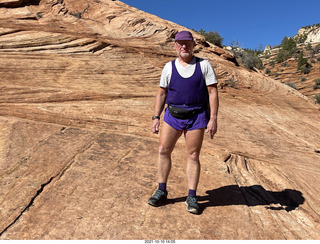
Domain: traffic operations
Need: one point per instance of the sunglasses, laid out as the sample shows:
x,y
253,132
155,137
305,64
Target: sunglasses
x,y
180,44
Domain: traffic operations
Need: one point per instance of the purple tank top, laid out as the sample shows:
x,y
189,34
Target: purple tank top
x,y
187,92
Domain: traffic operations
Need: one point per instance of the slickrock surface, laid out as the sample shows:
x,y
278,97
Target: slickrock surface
x,y
78,161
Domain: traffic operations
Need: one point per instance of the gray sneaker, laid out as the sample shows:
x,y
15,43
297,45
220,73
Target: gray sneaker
x,y
192,204
158,199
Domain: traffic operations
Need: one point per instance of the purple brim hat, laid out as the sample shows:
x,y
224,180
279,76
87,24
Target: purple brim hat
x,y
184,36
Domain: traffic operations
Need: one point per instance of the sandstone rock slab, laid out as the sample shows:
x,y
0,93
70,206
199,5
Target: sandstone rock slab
x,y
78,160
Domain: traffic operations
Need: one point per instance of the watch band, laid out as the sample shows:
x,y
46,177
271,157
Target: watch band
x,y
155,117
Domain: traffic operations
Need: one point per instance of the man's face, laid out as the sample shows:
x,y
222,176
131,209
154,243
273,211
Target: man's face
x,y
184,48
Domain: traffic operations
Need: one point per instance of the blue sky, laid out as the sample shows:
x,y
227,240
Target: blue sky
x,y
251,23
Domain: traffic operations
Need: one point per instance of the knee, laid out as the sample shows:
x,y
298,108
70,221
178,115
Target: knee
x,y
164,151
194,155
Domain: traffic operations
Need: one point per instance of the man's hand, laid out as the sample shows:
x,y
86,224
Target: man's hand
x,y
212,128
155,126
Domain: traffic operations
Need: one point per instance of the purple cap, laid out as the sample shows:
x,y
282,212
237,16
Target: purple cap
x,y
184,36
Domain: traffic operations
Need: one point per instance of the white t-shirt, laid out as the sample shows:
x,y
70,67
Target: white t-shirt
x,y
186,72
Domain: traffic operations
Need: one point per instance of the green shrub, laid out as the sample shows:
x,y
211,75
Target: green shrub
x,y
247,57
287,49
250,60
301,38
317,83
291,85
212,37
301,62
306,70
317,98
303,65
289,44
283,55
296,55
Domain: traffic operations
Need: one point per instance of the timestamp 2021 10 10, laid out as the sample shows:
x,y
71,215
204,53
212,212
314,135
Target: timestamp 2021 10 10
x,y
159,241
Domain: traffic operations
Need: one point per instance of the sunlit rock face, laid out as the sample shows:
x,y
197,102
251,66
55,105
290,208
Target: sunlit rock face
x,y
77,157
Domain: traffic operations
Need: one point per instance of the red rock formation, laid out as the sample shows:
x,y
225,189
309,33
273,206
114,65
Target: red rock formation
x,y
78,160
287,72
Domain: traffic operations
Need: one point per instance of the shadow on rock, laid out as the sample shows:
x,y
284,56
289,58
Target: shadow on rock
x,y
248,195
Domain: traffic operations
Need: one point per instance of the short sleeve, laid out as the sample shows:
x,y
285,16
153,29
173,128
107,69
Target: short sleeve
x,y
208,73
166,75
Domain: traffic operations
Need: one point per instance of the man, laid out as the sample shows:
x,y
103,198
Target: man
x,y
189,86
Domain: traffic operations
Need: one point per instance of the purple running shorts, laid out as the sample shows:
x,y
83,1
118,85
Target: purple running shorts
x,y
197,121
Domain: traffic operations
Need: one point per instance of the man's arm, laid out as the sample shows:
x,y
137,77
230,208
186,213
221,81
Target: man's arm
x,y
214,107
159,106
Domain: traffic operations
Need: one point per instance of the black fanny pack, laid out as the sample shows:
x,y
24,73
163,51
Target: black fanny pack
x,y
180,113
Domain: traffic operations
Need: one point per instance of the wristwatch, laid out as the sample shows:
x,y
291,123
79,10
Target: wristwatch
x,y
155,117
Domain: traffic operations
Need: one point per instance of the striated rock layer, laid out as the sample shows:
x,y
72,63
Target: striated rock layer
x,y
78,160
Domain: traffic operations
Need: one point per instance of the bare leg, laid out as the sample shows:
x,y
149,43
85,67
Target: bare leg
x,y
194,140
167,141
